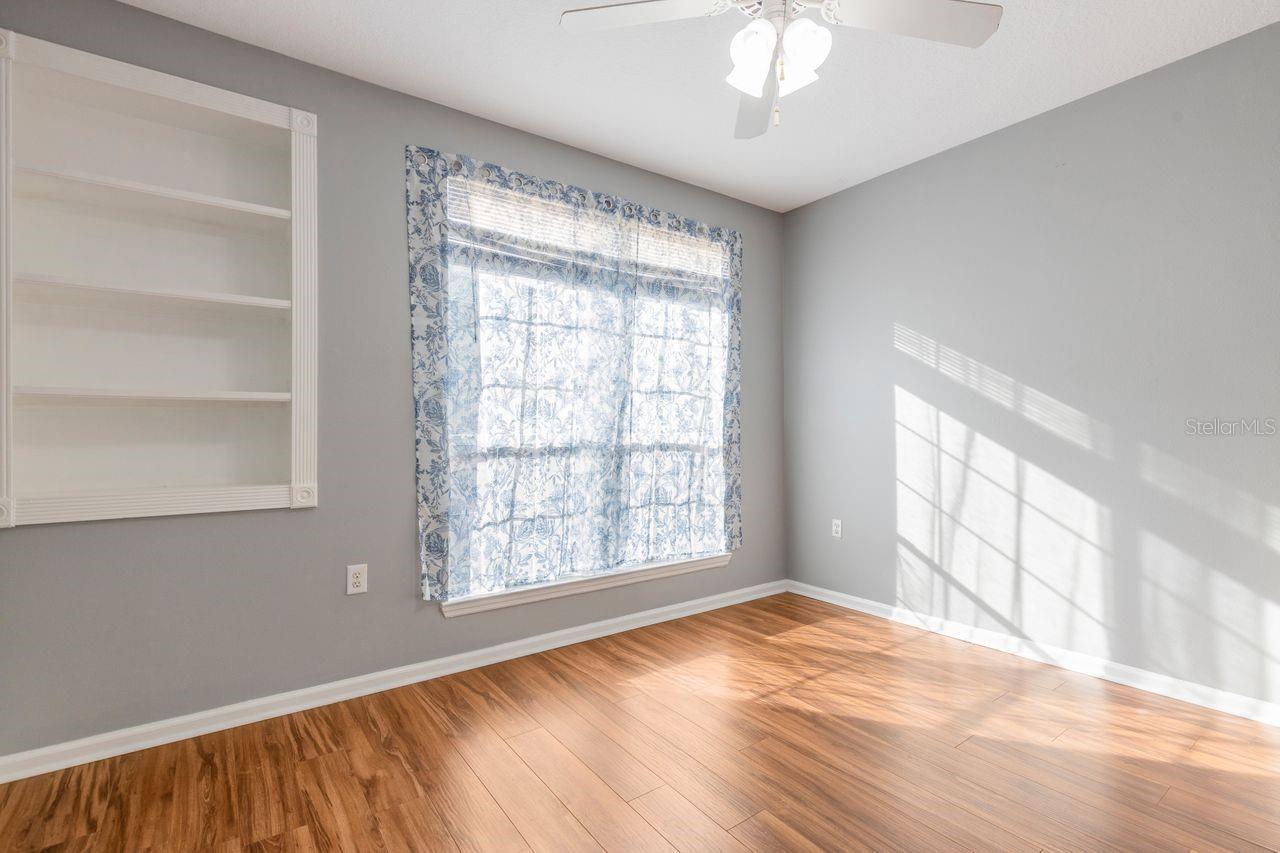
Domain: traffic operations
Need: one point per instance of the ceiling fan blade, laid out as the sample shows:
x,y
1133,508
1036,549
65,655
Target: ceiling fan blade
x,y
951,21
641,12
754,114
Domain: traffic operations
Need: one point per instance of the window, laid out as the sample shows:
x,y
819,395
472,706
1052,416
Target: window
x,y
575,378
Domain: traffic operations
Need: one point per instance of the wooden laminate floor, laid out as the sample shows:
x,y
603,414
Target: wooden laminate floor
x,y
781,724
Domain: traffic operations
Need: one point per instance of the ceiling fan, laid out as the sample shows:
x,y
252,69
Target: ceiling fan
x,y
780,50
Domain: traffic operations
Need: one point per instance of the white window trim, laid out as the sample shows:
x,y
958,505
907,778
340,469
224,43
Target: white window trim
x,y
574,586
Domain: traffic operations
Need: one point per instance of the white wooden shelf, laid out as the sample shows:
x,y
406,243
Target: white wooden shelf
x,y
158,273
80,188
37,393
34,287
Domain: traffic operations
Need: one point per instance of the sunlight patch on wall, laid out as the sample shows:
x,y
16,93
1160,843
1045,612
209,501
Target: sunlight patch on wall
x,y
986,537
1198,619
1046,412
1220,500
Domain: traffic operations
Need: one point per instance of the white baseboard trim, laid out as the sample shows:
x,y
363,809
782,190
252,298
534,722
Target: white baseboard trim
x,y
1142,679
33,762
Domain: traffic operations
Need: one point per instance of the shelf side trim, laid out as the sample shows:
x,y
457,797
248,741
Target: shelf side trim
x,y
305,295
302,122
7,512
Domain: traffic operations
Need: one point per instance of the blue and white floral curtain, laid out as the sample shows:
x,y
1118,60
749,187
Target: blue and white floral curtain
x,y
576,375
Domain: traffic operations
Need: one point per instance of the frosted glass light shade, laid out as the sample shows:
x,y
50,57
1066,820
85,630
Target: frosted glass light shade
x,y
752,53
806,44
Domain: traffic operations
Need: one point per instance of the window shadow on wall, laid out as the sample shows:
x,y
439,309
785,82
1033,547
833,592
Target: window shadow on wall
x,y
1019,513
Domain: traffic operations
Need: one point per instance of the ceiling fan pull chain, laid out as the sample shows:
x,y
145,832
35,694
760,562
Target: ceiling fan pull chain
x,y
782,75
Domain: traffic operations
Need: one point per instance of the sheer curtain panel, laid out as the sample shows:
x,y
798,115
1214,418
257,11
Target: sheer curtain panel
x,y
576,379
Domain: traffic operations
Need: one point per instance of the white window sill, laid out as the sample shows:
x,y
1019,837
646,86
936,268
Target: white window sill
x,y
574,586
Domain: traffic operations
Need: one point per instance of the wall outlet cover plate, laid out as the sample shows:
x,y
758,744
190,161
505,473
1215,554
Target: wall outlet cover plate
x,y
357,579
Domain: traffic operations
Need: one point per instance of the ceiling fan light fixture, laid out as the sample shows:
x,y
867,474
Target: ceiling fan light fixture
x,y
752,53
780,51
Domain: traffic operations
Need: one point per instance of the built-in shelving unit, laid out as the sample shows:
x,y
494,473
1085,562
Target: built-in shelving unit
x,y
157,293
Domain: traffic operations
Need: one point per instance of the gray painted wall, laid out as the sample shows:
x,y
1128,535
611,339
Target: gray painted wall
x,y
990,355
110,624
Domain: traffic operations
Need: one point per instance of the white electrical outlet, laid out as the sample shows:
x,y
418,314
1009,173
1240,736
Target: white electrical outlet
x,y
357,579
835,528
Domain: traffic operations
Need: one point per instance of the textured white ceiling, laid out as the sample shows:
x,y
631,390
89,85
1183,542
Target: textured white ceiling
x,y
655,96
